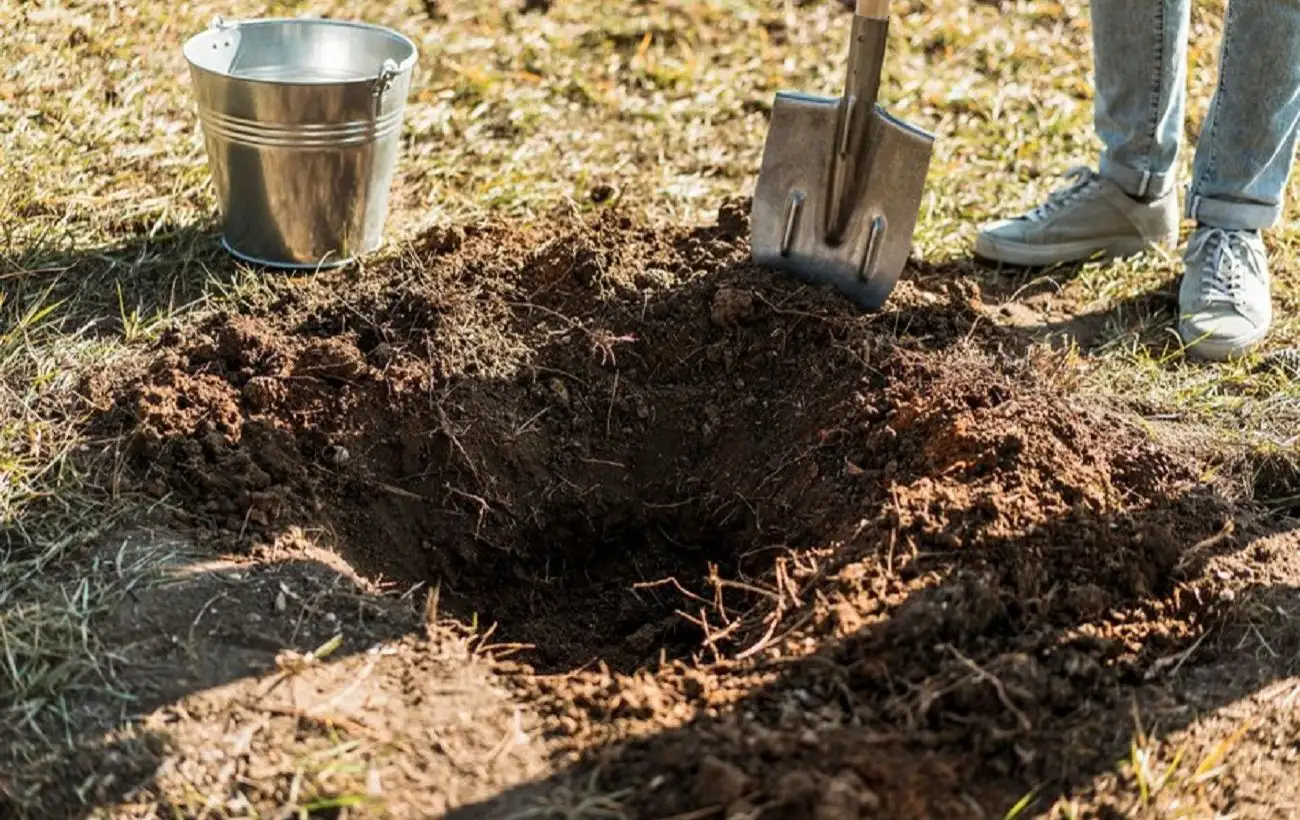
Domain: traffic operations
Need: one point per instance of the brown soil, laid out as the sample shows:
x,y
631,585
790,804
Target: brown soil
x,y
577,414
755,554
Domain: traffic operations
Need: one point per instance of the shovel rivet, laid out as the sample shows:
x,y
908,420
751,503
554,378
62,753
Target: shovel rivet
x,y
793,208
871,256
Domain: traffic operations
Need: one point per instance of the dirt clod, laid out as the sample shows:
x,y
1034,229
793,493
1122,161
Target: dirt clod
x,y
845,797
719,783
732,307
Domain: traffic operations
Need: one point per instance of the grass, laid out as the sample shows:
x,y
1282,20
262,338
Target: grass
x,y
1163,781
569,801
107,219
1176,787
52,595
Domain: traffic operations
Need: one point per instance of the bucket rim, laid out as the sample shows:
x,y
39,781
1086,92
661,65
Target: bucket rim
x,y
403,66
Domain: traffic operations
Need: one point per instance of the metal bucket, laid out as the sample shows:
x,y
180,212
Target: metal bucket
x,y
302,119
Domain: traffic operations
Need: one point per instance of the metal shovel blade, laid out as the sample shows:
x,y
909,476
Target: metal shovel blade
x,y
791,201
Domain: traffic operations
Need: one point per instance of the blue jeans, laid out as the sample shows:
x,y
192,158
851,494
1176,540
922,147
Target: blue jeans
x,y
1243,157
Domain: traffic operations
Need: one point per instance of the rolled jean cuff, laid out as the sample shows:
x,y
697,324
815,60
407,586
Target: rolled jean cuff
x,y
1138,183
1232,216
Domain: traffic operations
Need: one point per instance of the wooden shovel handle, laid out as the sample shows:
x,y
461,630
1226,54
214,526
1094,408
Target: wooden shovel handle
x,y
873,8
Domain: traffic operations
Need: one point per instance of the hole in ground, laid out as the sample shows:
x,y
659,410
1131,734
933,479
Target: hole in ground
x,y
568,436
619,560
543,426
616,599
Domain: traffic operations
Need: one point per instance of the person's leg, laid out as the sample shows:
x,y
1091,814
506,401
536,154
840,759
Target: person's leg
x,y
1243,161
1140,66
1243,158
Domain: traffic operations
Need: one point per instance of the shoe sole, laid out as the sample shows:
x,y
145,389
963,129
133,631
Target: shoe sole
x,y
1023,254
1219,350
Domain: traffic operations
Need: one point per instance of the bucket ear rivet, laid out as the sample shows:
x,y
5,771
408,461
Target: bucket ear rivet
x,y
386,75
382,83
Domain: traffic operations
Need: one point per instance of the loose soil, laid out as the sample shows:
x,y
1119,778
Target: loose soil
x,y
749,552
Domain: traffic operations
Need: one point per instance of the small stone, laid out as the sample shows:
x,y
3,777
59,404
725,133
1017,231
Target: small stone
x,y
1088,600
844,798
560,391
718,783
869,800
336,455
741,810
1079,665
1018,315
382,355
795,786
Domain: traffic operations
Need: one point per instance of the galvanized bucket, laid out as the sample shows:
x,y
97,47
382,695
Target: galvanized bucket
x,y
302,119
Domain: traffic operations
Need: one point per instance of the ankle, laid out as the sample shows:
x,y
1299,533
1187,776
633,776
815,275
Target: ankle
x,y
1145,194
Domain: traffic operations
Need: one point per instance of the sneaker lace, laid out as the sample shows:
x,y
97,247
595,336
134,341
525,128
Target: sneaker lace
x,y
1083,181
1227,261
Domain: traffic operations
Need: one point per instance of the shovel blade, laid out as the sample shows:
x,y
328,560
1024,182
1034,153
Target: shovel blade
x,y
789,227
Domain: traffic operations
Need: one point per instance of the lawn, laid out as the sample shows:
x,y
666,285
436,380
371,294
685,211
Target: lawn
x,y
557,507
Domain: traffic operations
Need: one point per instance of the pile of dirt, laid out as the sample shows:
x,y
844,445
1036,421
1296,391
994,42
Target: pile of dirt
x,y
823,563
577,413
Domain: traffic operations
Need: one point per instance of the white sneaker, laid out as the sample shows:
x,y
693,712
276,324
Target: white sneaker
x,y
1224,297
1090,217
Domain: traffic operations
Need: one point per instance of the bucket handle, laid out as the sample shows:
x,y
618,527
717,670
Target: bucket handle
x,y
380,85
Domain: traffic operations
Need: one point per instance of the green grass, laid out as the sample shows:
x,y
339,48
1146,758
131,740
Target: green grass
x,y
108,225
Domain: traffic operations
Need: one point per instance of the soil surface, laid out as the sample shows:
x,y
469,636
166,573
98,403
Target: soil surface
x,y
733,549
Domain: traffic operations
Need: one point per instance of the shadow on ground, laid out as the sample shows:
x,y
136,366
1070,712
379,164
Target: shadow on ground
x,y
637,459
122,290
1045,306
1011,735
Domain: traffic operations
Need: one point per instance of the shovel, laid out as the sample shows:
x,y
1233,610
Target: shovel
x,y
841,180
